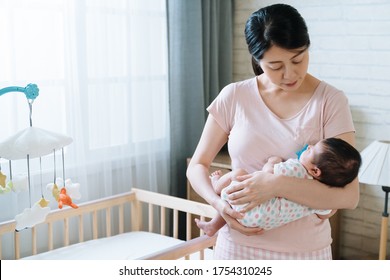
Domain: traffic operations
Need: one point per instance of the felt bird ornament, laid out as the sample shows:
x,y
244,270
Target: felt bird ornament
x,y
64,199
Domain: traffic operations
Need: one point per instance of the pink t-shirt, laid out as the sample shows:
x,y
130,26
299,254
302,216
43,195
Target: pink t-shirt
x,y
256,133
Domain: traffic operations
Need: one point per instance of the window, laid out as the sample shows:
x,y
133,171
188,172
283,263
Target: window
x,y
101,67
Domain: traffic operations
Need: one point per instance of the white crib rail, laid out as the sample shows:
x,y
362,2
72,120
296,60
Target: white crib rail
x,y
116,205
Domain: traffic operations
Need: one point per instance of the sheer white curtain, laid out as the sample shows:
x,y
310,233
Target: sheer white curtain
x,y
101,67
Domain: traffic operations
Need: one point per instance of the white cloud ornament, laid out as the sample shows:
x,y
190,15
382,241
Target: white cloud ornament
x,y
31,217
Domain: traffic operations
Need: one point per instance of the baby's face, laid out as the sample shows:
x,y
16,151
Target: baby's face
x,y
307,157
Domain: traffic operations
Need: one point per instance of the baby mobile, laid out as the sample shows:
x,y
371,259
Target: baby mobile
x,y
28,144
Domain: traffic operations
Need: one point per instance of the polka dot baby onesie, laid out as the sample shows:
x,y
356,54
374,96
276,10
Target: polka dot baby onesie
x,y
277,211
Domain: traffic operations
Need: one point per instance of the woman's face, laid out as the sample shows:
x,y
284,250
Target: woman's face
x,y
285,68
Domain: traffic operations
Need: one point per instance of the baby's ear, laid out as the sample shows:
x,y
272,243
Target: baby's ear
x,y
316,172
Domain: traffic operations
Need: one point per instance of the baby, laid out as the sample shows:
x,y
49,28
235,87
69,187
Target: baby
x,y
332,161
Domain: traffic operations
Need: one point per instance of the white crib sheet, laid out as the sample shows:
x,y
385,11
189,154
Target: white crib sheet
x,y
131,245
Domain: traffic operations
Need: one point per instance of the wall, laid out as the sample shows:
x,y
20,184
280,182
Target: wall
x,y
351,50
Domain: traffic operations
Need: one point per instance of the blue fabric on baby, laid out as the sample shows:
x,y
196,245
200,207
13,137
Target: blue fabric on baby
x,y
299,153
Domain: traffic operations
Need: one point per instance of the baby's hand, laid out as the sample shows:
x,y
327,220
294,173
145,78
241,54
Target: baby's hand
x,y
269,166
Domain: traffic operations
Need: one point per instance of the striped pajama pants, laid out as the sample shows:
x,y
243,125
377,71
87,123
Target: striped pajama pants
x,y
228,250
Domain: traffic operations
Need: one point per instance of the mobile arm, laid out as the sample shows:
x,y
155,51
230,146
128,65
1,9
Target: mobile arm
x,y
31,91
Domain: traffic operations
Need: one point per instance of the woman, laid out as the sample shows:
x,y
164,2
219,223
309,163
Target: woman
x,y
277,112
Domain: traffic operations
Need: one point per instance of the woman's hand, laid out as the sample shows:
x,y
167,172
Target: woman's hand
x,y
231,216
253,189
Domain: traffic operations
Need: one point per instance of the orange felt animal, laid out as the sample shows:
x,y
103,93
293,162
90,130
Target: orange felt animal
x,y
64,199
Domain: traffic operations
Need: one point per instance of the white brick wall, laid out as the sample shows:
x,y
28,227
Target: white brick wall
x,y
351,50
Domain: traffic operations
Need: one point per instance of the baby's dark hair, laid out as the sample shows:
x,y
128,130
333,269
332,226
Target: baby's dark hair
x,y
339,162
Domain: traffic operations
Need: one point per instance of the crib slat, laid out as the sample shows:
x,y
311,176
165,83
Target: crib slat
x,y
136,216
50,236
66,232
189,232
108,222
175,223
150,217
94,225
121,219
17,245
201,254
188,225
201,233
162,221
81,228
34,240
188,229
1,246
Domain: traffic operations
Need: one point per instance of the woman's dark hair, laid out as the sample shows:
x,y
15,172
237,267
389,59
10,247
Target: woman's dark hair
x,y
279,25
339,162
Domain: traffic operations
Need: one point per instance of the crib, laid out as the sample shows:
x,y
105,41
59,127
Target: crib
x,y
138,224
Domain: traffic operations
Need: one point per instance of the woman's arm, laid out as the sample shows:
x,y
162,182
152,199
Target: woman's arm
x,y
210,143
259,187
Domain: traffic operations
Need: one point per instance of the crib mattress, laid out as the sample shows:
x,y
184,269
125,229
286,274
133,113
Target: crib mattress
x,y
126,246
